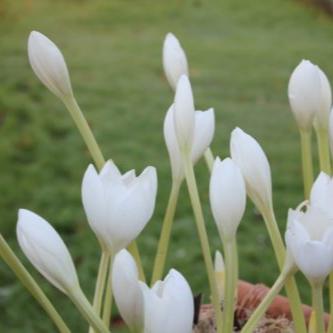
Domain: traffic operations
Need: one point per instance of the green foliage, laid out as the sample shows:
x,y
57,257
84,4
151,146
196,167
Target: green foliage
x,y
241,56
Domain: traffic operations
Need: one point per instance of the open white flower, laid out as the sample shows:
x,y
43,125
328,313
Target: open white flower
x,y
126,290
168,306
118,206
46,251
49,65
174,60
203,135
227,195
253,163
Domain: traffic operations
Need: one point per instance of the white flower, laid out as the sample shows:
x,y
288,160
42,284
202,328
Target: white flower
x,y
331,131
46,250
313,256
227,195
49,65
174,60
252,161
203,135
168,306
118,206
126,290
184,114
309,95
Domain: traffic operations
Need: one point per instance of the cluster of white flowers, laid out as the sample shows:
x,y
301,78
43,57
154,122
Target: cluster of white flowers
x,y
118,206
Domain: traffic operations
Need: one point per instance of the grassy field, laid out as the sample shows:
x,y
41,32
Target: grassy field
x,y
241,55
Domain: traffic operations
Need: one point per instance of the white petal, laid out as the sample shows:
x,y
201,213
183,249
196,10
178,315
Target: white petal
x,y
304,93
253,163
203,132
174,60
184,114
49,65
94,203
46,250
172,145
227,196
126,290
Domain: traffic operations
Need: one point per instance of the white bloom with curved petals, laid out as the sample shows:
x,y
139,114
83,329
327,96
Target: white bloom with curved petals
x,y
174,60
46,250
118,206
126,290
168,306
49,65
314,257
227,195
203,135
253,163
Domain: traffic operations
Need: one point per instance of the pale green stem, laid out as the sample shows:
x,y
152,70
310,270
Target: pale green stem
x,y
230,284
318,306
307,166
209,158
163,244
200,222
28,281
324,150
264,304
87,311
100,284
325,165
134,250
330,325
290,285
108,297
95,152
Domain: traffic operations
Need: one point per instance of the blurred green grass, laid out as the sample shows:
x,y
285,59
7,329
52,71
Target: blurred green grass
x,y
241,55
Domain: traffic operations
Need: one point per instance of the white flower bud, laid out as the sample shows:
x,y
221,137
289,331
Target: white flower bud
x,y
126,290
184,118
49,65
46,251
174,60
252,161
227,195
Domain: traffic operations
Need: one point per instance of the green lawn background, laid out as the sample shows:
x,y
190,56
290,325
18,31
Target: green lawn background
x,y
241,55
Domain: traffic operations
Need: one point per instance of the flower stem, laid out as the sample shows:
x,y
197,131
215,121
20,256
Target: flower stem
x,y
330,325
87,311
318,306
307,166
100,284
264,304
231,279
163,244
200,222
290,285
209,158
108,297
95,152
324,150
28,281
134,250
